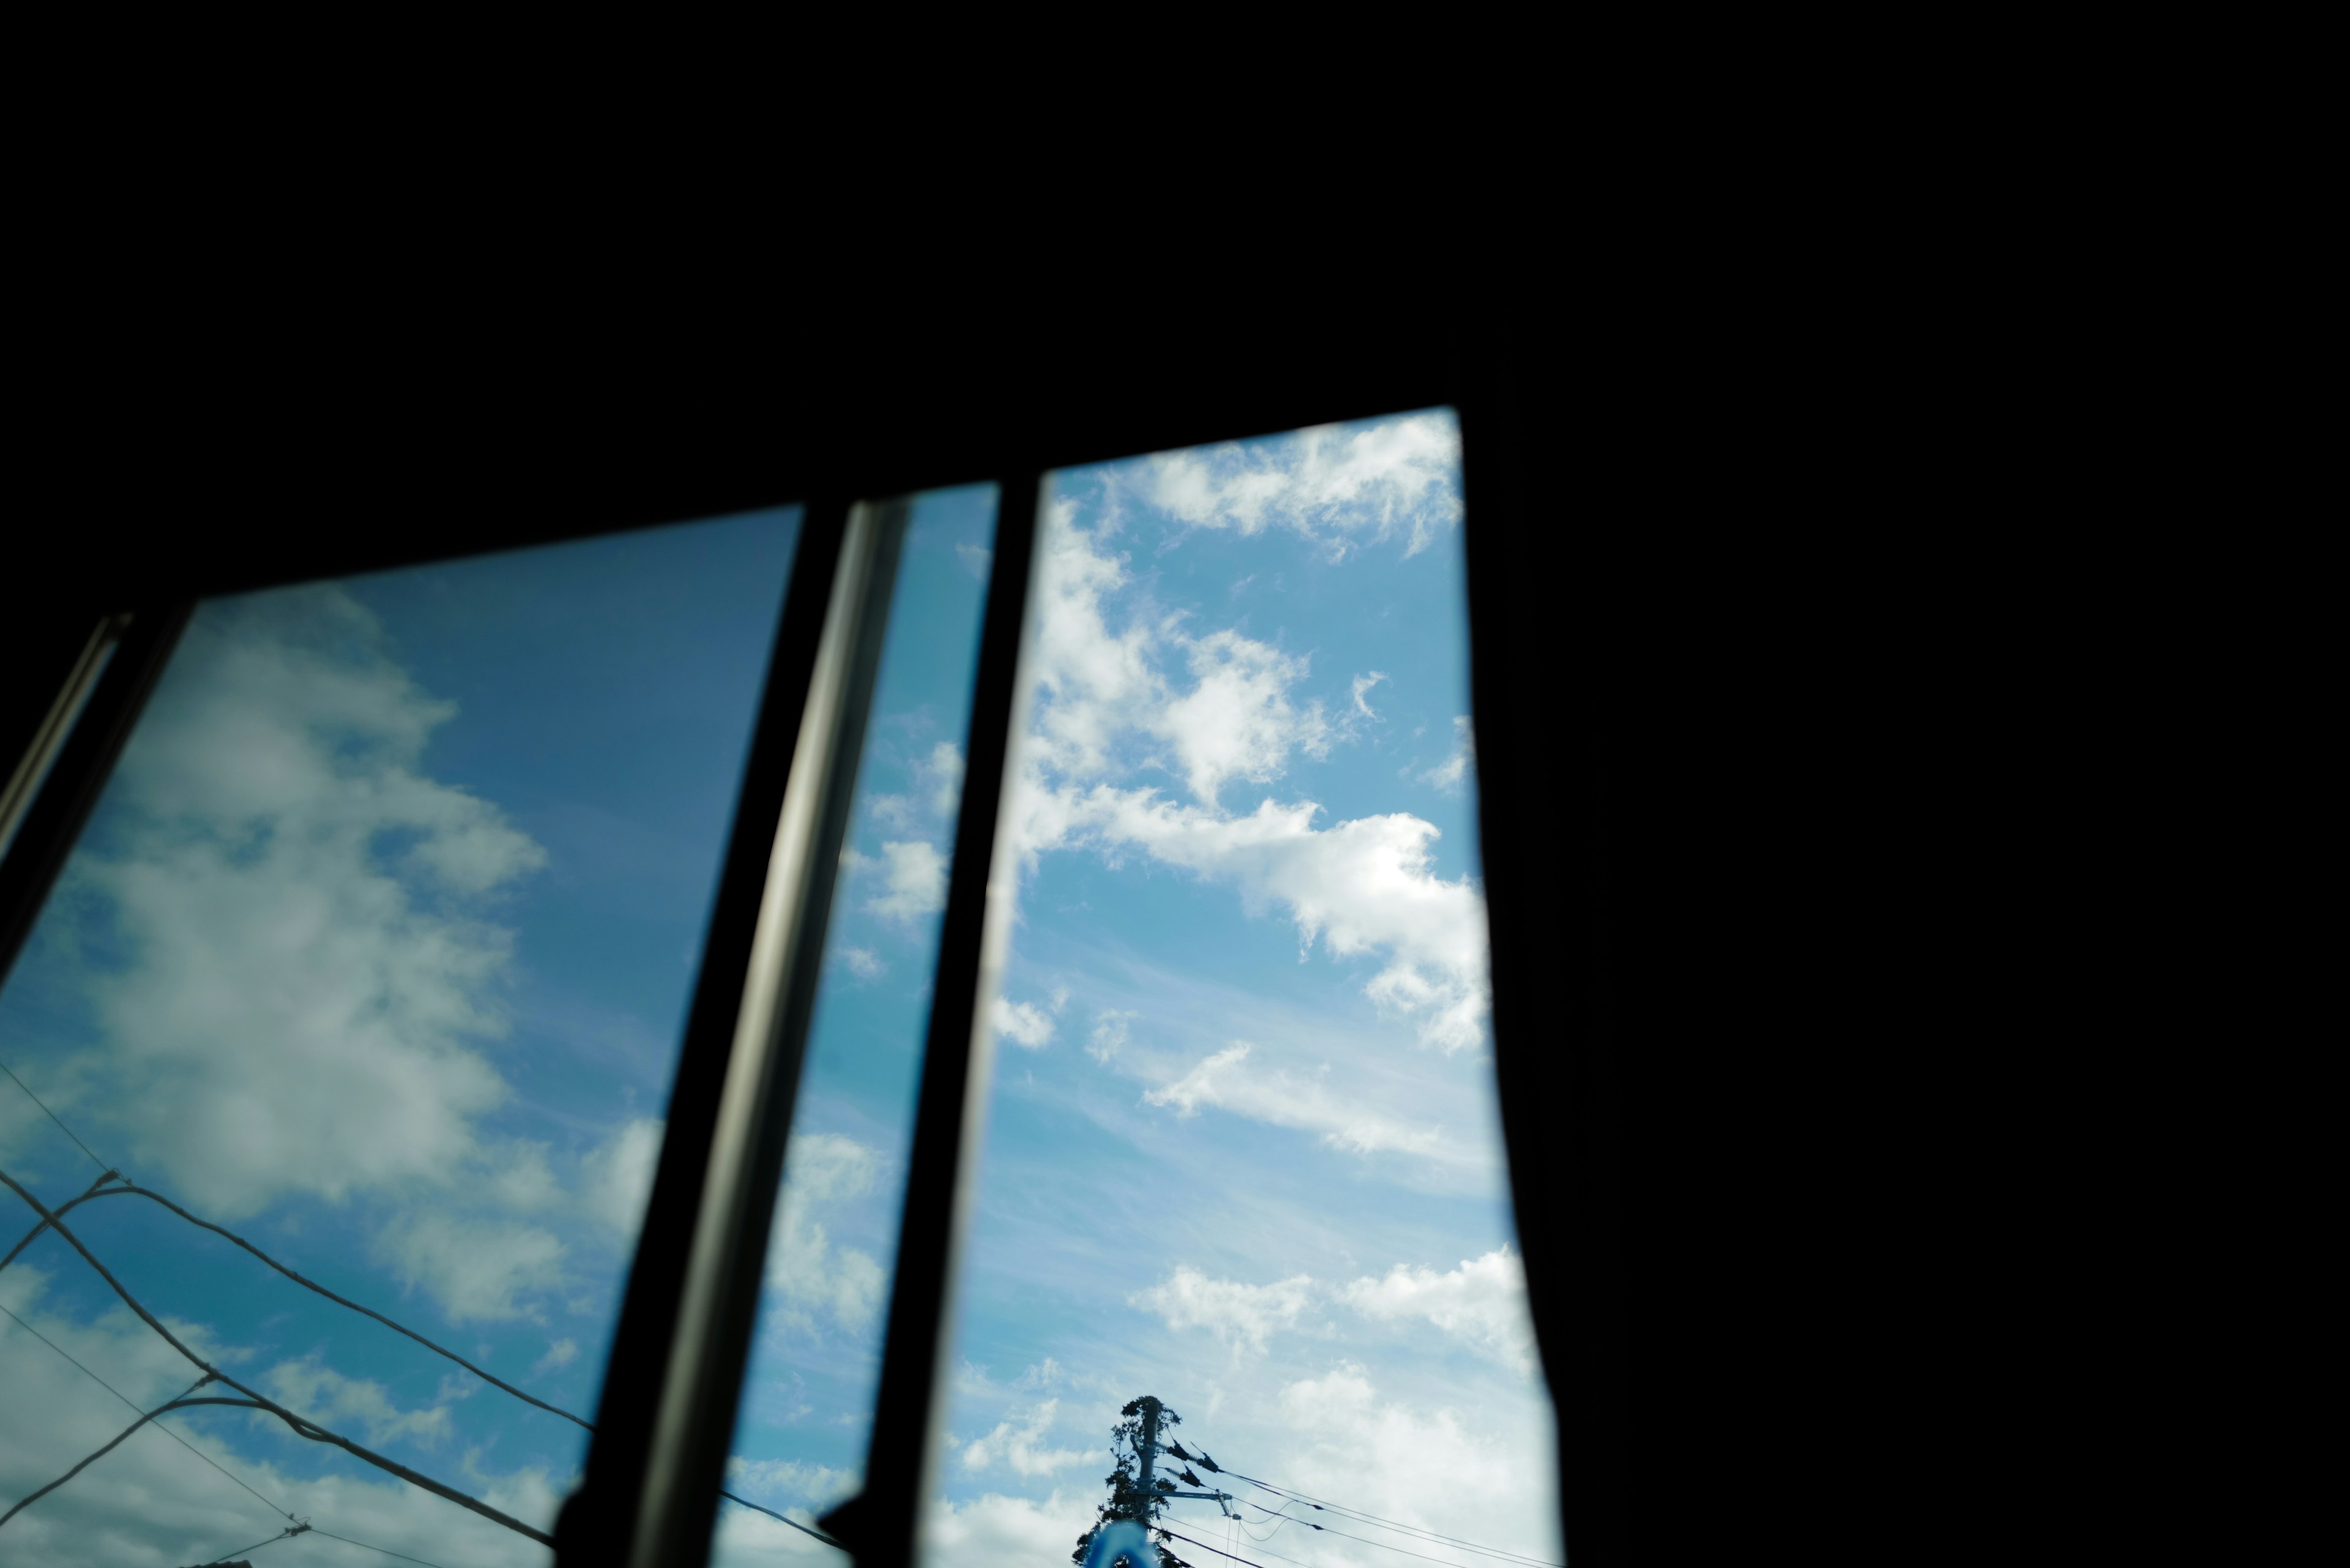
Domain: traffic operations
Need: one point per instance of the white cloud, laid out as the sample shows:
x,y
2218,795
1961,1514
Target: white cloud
x,y
1362,887
864,963
1283,1098
812,1278
309,960
996,1529
1238,1313
1109,1032
310,1389
914,881
1237,721
974,559
1022,1023
1485,1473
559,1354
151,1501
937,788
478,1269
1482,1303
519,1180
1451,773
942,776
617,1175
777,1480
1334,484
1021,1445
1363,684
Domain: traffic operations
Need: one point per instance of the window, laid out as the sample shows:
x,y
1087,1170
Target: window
x,y
361,991
1120,935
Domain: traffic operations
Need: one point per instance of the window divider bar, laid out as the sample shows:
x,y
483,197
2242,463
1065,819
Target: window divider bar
x,y
879,1525
599,1520
93,716
694,1422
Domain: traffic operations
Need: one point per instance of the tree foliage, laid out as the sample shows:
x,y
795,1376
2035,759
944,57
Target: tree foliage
x,y
1128,1497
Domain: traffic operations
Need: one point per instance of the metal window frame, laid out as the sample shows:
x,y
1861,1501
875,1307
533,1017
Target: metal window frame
x,y
668,1403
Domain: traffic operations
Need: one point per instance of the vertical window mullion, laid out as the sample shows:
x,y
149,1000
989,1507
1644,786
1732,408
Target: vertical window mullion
x,y
879,1525
599,1521
53,794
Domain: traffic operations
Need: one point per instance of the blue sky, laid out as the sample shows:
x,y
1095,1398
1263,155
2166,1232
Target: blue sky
x,y
377,949
1244,1152
378,946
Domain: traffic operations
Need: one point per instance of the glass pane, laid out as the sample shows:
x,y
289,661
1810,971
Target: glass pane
x,y
376,953
808,1401
1244,1187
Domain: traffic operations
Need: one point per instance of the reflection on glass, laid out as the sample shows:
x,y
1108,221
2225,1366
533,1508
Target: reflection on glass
x,y
1243,1230
808,1400
375,954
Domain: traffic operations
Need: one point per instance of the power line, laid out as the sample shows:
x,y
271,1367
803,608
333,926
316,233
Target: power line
x,y
770,1514
1367,1541
302,1427
241,1550
160,1427
130,1188
30,1498
1356,1515
50,1218
52,1116
363,1546
67,1207
1220,1551
215,1464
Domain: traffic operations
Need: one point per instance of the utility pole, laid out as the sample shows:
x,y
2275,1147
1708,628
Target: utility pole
x,y
1147,1447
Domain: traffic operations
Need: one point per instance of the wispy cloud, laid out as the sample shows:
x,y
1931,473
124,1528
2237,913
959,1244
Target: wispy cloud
x,y
1286,1099
1020,1443
1236,1313
1335,484
1364,885
1481,1304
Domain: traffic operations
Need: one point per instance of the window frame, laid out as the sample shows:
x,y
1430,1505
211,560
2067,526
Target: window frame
x,y
1568,1210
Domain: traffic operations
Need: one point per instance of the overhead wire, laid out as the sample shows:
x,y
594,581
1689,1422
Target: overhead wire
x,y
1220,1552
51,1218
346,1540
51,1114
160,1427
1362,1516
1382,1545
282,1535
98,1190
780,1518
301,1426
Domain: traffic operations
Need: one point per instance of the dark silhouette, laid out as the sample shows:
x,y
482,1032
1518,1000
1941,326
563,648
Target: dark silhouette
x,y
1135,1492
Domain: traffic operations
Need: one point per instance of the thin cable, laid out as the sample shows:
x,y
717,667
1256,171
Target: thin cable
x,y
160,1427
281,1535
67,1207
52,1116
363,1546
215,1464
302,1427
1356,1515
1222,1553
132,1188
116,1441
1382,1545
794,1523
